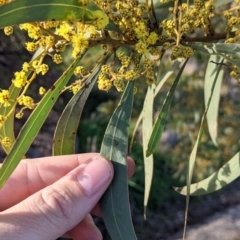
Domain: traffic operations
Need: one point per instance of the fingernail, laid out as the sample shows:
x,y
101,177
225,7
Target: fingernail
x,y
95,175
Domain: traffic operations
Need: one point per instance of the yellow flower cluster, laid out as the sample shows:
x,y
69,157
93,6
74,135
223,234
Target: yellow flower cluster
x,y
127,72
181,51
57,58
19,115
43,68
33,30
76,86
5,97
168,26
6,141
79,71
190,18
26,101
80,44
26,66
42,90
31,46
130,17
104,83
141,47
235,73
149,40
141,39
20,79
100,19
233,23
8,30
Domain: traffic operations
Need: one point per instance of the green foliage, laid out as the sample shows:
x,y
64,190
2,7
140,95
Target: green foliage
x,y
18,12
212,114
147,122
114,203
65,133
138,40
161,120
192,158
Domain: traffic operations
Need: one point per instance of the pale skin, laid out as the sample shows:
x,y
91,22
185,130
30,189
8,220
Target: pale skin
x,y
49,197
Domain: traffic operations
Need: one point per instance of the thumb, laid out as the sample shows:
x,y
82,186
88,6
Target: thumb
x,y
59,207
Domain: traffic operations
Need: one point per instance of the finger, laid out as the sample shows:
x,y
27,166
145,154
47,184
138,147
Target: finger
x,y
85,230
31,175
56,209
130,167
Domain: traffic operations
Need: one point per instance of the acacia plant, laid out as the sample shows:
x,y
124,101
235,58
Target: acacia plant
x,y
135,38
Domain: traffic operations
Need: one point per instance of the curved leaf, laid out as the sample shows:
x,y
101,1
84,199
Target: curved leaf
x,y
225,50
65,133
212,114
33,125
114,203
157,90
167,75
22,11
146,133
194,151
162,117
193,154
225,175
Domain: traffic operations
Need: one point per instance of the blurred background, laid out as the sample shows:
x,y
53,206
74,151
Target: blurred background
x,y
165,215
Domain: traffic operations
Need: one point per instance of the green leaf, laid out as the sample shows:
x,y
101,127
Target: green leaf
x,y
212,114
115,203
146,133
22,11
225,50
225,175
166,76
194,151
65,133
33,125
193,154
162,117
148,161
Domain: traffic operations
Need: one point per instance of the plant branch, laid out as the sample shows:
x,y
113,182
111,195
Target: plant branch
x,y
184,39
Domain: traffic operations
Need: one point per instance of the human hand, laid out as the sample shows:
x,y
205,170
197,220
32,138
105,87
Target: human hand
x,y
46,198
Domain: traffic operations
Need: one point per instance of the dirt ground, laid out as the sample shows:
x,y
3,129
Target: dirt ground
x,y
224,225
